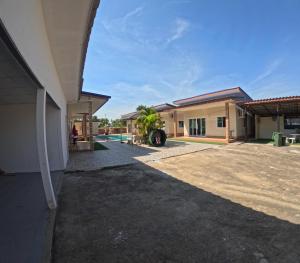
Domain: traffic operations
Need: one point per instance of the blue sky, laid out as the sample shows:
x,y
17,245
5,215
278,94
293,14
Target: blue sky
x,y
156,51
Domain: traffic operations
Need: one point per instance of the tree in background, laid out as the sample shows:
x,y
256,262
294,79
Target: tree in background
x,y
118,123
104,122
95,119
148,120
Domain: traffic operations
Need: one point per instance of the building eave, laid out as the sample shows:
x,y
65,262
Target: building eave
x,y
92,16
68,26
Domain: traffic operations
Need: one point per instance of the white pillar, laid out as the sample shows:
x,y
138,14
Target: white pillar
x,y
42,147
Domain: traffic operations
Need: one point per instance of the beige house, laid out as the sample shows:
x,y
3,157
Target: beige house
x,y
225,116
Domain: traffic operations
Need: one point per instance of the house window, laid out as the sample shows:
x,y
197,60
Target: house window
x,y
291,122
181,124
221,122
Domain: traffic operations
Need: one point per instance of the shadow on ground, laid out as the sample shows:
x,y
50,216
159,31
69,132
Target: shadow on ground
x,y
136,213
123,154
25,221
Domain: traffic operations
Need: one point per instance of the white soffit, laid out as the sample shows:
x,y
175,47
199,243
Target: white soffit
x,y
82,106
68,25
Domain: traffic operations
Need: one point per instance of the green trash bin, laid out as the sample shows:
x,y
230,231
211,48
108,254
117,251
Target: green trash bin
x,y
277,139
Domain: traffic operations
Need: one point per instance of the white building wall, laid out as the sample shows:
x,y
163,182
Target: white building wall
x,y
25,23
18,151
54,135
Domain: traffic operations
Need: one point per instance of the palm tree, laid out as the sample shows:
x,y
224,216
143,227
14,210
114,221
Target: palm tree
x,y
148,120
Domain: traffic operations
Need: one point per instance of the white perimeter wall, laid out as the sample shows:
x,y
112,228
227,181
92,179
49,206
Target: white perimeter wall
x,y
24,20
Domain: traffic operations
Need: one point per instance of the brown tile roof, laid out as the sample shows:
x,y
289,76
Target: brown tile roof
x,y
235,93
273,100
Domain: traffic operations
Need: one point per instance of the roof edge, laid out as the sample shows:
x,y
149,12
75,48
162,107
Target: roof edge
x,y
94,6
96,95
209,93
273,100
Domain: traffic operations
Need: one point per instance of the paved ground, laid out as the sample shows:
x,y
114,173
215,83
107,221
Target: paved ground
x,y
262,177
25,220
137,213
122,153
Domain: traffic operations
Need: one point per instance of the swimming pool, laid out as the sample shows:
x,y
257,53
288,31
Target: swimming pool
x,y
112,137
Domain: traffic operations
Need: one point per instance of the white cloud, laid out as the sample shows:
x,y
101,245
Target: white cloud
x,y
121,23
269,70
181,27
137,11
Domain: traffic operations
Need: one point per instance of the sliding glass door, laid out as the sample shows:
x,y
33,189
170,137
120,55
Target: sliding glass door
x,y
197,127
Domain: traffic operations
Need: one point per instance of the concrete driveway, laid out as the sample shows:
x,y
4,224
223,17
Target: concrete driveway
x,y
238,203
121,154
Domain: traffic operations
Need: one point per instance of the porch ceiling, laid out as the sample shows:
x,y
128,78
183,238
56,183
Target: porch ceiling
x,y
76,109
16,87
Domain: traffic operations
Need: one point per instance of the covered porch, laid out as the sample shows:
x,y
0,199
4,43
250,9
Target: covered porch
x,y
275,114
83,110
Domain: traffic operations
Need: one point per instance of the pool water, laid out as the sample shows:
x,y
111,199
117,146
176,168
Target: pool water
x,y
112,137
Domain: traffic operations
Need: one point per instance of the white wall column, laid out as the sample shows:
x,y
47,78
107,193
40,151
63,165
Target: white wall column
x,y
42,147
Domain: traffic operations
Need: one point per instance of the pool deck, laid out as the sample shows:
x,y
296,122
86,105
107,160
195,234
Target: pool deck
x,y
123,154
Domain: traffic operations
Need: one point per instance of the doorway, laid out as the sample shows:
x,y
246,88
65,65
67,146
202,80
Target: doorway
x,y
197,127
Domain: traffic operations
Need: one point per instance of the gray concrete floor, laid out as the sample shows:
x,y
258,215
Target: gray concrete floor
x,y
122,154
25,218
210,206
